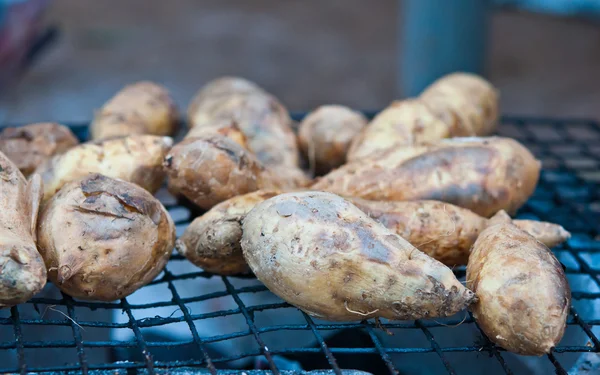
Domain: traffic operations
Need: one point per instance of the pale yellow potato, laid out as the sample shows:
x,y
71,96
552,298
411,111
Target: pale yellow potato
x,y
140,108
136,159
22,270
323,255
103,238
485,175
325,135
524,296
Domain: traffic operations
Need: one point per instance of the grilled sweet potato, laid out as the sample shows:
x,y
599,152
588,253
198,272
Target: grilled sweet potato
x,y
212,241
325,135
30,145
456,105
320,253
22,270
140,108
441,230
484,175
261,117
136,159
444,231
103,238
524,297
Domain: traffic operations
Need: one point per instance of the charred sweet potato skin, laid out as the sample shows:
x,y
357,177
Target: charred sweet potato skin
x,y
322,254
103,238
524,297
22,270
30,145
484,175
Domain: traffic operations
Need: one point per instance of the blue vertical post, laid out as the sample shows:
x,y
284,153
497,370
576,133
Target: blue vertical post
x,y
439,37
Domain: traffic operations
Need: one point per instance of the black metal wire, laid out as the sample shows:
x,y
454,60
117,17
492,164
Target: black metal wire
x,y
564,195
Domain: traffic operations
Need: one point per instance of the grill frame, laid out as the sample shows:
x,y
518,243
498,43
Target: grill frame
x,y
566,186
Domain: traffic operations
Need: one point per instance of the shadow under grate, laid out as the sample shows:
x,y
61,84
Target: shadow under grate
x,y
125,340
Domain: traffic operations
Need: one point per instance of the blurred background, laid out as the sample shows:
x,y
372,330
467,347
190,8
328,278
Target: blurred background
x,y
61,60
542,55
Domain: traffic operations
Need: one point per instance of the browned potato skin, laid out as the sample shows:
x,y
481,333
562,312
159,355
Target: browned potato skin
x,y
140,108
102,238
22,270
470,99
524,297
30,145
136,159
485,175
209,170
325,135
320,253
212,241
444,231
260,116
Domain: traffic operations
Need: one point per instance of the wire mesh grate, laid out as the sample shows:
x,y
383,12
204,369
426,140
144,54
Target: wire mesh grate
x,y
567,194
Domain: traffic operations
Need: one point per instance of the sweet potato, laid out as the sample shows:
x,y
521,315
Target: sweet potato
x,y
403,123
140,108
215,90
212,168
30,145
444,231
136,159
524,297
212,241
484,175
208,170
456,105
22,270
320,253
441,230
261,117
103,238
467,98
325,134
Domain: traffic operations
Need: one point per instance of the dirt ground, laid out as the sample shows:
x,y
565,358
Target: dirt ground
x,y
341,51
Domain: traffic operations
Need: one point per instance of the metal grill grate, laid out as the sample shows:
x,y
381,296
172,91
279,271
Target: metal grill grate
x,y
567,194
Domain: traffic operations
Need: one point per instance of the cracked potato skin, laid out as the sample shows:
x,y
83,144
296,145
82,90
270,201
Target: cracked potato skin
x,y
30,145
326,133
524,296
137,159
103,238
484,175
322,254
213,240
139,108
22,269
